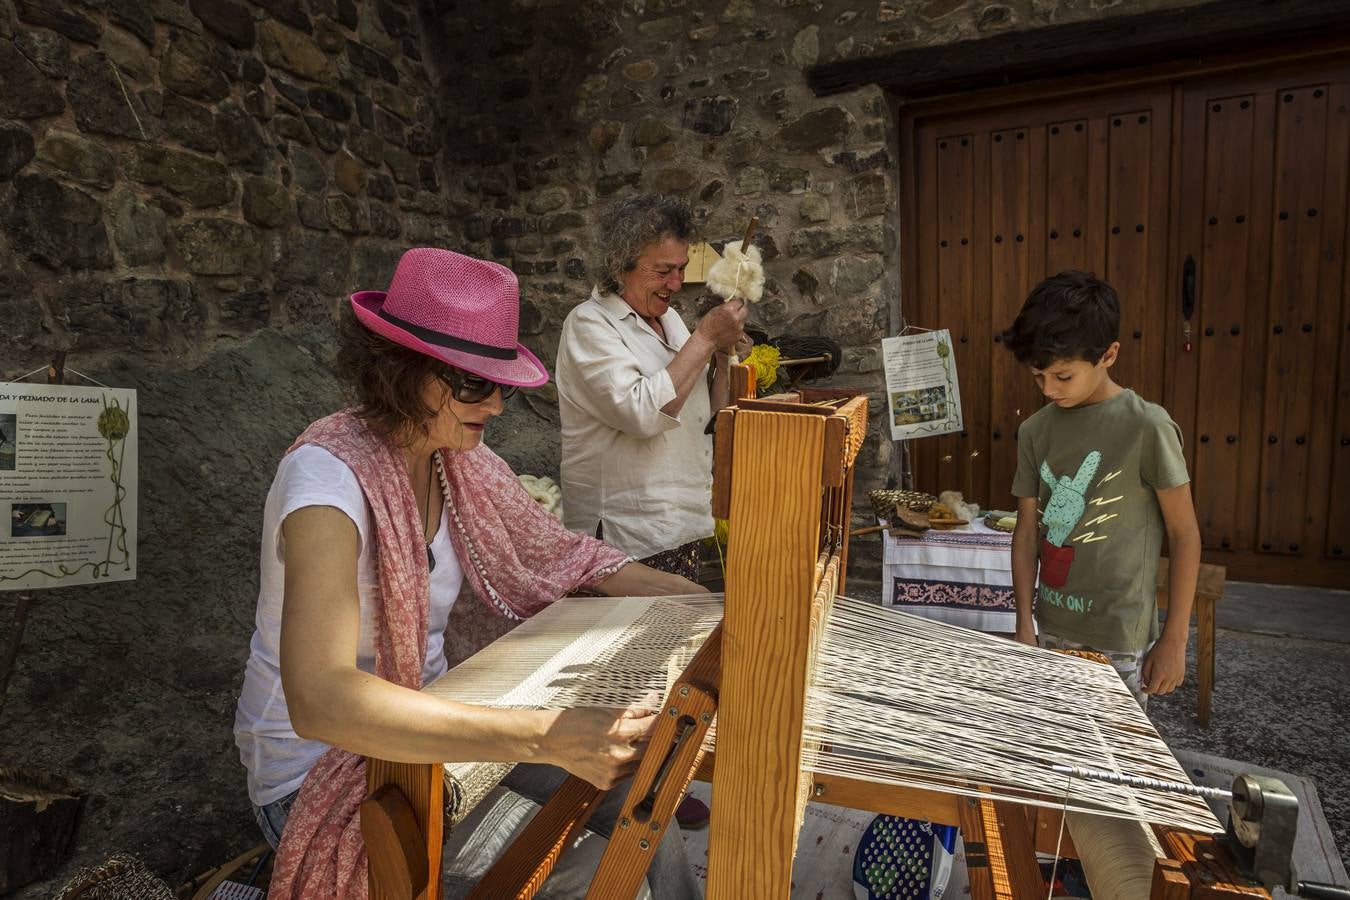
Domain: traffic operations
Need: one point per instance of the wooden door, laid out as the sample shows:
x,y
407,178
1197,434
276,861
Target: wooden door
x,y
1220,196
1262,395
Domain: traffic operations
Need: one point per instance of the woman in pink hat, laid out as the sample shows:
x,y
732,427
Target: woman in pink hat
x,y
376,519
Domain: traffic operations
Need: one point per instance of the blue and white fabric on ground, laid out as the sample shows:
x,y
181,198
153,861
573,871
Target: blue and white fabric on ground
x,y
903,859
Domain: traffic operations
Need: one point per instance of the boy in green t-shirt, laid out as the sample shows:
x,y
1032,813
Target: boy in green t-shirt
x,y
1100,476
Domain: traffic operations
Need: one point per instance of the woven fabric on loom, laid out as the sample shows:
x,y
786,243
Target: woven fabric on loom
x,y
897,699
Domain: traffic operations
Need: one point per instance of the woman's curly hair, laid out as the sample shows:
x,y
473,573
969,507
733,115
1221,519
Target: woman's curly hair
x,y
631,223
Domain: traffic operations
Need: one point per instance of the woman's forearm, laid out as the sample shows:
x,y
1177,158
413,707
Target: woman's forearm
x,y
686,370
637,580
367,715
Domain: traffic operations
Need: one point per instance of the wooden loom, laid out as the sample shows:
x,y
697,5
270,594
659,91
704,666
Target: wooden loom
x,y
784,471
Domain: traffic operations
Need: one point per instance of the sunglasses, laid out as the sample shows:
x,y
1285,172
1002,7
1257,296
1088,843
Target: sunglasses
x,y
466,387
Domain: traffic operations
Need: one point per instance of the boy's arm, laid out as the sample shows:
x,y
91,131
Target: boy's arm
x,y
1024,564
1165,666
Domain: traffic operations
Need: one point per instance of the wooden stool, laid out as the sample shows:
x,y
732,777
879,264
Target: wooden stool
x,y
1208,590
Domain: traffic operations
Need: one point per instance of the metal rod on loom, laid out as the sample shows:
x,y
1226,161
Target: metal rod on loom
x,y
1176,787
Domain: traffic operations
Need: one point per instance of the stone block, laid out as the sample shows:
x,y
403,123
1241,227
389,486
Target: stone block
x,y
317,258
228,19
101,103
16,148
710,115
218,247
19,310
195,67
25,92
59,17
265,202
82,160
191,123
201,181
138,228
816,130
56,225
47,50
296,52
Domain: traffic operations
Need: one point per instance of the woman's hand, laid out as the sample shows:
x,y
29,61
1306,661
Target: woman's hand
x,y
723,325
599,746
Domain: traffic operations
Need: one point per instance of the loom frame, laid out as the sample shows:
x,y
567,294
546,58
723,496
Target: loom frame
x,y
792,454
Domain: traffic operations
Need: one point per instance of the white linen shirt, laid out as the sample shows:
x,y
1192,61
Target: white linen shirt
x,y
645,475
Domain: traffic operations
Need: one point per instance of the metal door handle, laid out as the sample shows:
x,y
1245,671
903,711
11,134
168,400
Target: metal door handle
x,y
1188,288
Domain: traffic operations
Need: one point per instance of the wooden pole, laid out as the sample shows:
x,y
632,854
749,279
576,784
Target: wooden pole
x,y
56,374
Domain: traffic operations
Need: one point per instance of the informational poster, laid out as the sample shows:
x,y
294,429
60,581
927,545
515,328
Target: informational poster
x,y
67,485
921,384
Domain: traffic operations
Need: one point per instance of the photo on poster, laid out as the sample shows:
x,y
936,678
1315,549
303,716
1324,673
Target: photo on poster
x,y
38,519
9,441
923,405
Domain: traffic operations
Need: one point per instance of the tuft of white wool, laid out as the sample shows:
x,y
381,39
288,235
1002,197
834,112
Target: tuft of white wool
x,y
737,274
545,492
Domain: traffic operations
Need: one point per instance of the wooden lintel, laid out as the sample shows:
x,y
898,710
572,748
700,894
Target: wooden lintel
x,y
1076,48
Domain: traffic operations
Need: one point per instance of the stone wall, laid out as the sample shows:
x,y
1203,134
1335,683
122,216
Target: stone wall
x,y
178,171
188,188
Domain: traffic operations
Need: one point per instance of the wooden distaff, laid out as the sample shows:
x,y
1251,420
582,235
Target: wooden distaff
x,y
745,245
749,233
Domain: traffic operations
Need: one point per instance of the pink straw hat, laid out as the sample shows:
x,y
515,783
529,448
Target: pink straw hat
x,y
460,310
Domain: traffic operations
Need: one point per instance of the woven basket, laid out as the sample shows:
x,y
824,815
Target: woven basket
x,y
885,500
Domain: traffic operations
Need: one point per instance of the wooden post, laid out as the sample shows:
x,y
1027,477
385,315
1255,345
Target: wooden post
x,y
759,787
38,814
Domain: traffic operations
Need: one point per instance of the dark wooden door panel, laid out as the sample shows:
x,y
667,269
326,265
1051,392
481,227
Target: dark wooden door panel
x,y
1070,189
1012,275
1292,309
1263,198
1221,331
1135,237
955,200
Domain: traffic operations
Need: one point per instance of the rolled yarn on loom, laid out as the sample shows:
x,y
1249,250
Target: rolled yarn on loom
x,y
1117,855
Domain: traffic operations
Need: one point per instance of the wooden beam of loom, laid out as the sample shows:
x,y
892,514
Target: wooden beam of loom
x,y
788,506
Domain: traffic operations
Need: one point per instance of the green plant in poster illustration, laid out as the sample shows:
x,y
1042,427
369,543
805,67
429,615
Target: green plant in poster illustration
x,y
114,424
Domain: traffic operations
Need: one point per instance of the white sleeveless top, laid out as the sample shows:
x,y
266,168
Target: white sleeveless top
x,y
276,758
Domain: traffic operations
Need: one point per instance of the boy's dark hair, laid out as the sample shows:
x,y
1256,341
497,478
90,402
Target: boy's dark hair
x,y
1072,315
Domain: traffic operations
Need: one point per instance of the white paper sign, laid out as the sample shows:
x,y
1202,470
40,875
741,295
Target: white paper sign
x,y
67,485
921,384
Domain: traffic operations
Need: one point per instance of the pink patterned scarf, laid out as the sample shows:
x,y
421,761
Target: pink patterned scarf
x,y
518,559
